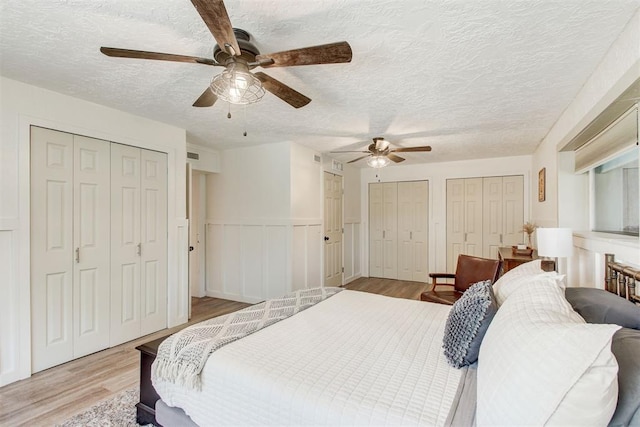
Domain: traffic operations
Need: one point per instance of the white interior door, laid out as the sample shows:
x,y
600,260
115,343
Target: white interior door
x,y
91,289
473,216
195,188
390,232
412,230
492,220
332,229
126,245
51,248
455,222
513,209
376,228
153,238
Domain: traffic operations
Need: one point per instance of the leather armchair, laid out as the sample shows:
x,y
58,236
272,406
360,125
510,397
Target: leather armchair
x,y
469,270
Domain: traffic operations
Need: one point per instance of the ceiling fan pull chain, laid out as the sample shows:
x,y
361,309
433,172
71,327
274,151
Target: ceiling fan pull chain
x,y
245,121
229,113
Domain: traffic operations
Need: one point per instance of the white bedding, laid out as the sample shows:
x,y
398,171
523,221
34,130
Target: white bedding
x,y
355,358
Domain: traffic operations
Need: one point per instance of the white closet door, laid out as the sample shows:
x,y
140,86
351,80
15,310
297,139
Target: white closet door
x,y
376,228
513,209
390,224
412,230
153,251
455,222
91,189
492,216
51,248
473,216
125,243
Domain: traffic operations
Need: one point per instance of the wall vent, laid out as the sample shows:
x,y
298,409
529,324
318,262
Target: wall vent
x,y
194,156
316,158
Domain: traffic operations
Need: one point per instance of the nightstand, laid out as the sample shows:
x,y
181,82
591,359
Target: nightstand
x,y
511,260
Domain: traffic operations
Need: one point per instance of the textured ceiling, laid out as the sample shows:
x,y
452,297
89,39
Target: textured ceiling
x,y
473,79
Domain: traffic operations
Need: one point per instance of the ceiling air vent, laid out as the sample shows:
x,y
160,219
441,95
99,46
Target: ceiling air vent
x,y
316,158
194,156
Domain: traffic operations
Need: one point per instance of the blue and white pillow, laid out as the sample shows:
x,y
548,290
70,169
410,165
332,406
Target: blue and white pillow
x,y
467,323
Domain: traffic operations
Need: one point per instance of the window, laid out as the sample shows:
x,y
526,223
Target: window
x,y
616,193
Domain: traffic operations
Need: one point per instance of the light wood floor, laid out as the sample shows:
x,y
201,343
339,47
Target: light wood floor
x,y
53,395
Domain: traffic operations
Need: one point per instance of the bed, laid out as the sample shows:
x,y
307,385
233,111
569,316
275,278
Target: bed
x,y
355,358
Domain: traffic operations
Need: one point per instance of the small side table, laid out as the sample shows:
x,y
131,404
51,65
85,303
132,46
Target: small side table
x,y
511,260
146,407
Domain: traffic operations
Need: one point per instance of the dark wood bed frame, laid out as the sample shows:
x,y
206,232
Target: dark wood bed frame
x,y
619,279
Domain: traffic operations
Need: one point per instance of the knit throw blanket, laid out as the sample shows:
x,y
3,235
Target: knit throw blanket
x,y
182,356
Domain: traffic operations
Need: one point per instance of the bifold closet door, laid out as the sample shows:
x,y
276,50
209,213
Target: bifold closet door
x,y
69,246
138,242
412,230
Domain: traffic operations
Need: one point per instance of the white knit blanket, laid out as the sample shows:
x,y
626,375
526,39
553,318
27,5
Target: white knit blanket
x,y
182,356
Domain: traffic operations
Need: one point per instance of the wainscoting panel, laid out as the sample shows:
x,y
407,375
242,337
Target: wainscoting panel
x,y
352,252
253,262
9,354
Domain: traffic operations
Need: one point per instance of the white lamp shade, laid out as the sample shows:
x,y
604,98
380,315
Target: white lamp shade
x,y
555,242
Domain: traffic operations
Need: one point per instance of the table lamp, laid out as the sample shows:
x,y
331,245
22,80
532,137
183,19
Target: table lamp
x,y
555,243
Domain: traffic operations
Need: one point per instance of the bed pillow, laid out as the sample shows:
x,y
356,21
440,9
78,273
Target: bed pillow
x,y
626,348
600,306
541,363
519,276
467,324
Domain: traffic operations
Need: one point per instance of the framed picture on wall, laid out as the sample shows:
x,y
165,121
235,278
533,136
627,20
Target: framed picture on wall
x,y
541,184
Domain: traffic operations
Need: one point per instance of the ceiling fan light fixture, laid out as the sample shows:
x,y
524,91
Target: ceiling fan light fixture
x,y
237,85
378,161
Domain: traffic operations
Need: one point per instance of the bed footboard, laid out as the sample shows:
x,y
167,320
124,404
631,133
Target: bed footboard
x,y
146,407
620,279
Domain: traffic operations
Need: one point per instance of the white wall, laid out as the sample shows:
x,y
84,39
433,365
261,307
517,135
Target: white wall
x,y
208,159
437,174
264,223
21,106
616,72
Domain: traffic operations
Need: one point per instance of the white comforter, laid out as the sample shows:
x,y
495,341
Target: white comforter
x,y
355,358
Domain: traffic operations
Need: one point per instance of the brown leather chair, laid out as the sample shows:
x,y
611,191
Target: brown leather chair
x,y
470,269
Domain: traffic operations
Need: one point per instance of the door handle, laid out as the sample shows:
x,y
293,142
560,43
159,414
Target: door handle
x,y
139,249
191,248
77,255
411,235
383,234
326,238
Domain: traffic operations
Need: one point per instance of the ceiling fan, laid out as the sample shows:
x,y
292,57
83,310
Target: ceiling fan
x,y
379,153
234,51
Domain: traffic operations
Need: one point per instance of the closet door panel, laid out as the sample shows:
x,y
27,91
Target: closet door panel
x,y
51,247
492,216
125,243
513,209
390,224
419,235
153,249
473,216
91,290
455,222
406,216
376,227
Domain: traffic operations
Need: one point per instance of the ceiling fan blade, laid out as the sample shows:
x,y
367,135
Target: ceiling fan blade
x,y
395,158
215,15
282,91
411,149
359,158
349,151
207,99
333,53
141,54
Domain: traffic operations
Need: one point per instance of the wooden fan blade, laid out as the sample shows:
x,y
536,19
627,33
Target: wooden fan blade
x,y
333,53
282,91
349,151
141,54
207,99
411,149
359,158
394,158
215,15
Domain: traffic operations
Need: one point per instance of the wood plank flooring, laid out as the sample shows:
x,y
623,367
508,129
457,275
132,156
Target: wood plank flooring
x,y
53,395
